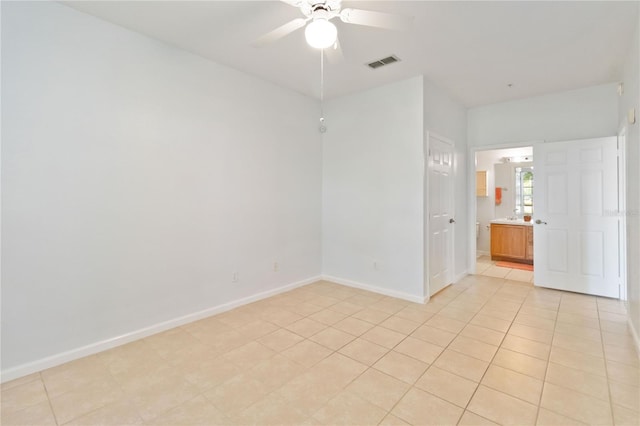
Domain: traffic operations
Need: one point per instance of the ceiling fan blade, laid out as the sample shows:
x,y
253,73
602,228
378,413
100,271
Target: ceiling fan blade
x,y
334,53
376,19
294,3
280,32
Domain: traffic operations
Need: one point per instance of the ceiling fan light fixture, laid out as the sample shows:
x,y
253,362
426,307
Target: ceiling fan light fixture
x,y
321,33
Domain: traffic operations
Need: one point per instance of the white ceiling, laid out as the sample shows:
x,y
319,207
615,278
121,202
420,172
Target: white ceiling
x,y
471,49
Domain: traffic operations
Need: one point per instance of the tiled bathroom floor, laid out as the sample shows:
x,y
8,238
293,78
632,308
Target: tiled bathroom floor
x,y
485,266
483,351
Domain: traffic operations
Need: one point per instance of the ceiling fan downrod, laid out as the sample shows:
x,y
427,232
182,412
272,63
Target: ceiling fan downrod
x,y
322,128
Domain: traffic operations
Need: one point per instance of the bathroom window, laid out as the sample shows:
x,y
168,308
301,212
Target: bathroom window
x,y
524,190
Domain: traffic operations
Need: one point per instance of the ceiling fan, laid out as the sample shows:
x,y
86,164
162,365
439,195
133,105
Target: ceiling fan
x,y
321,33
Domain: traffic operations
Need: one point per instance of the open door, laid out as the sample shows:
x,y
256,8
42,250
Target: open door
x,y
440,213
576,228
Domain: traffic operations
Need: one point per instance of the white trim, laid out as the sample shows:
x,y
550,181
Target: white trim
x,y
472,210
93,348
622,208
482,253
506,145
425,216
375,289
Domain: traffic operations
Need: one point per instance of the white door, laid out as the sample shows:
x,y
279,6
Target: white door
x,y
440,206
575,223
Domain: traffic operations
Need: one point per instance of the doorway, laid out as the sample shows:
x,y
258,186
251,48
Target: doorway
x,y
504,187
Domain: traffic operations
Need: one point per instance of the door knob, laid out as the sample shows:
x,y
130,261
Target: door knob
x,y
538,222
452,220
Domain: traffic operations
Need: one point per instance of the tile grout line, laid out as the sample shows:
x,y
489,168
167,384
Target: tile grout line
x,y
584,372
458,334
333,351
465,409
55,417
369,367
412,386
606,367
494,355
336,351
169,367
69,391
280,327
546,367
201,392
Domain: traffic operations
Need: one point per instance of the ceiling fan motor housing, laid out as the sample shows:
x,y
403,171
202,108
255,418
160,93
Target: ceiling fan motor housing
x,y
328,8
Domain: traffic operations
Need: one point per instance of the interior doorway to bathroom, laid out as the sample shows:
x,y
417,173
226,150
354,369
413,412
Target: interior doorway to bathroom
x,y
504,186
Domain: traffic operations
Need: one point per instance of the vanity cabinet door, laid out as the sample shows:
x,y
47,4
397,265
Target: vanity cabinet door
x,y
508,241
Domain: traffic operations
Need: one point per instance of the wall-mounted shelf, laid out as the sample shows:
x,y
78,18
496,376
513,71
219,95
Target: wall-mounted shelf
x,y
481,184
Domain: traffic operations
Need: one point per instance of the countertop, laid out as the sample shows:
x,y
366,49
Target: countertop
x,y
506,221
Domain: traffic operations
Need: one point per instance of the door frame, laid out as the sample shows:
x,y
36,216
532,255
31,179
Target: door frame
x,y
472,208
426,216
622,209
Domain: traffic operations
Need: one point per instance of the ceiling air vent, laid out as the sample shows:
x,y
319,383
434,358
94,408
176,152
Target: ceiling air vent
x,y
382,62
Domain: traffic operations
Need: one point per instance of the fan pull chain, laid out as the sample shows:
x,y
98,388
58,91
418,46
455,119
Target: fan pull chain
x,y
322,127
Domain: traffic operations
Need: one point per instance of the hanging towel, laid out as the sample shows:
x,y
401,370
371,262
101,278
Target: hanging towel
x,y
498,196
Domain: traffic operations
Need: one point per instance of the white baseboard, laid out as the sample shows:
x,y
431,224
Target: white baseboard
x,y
93,348
482,253
375,289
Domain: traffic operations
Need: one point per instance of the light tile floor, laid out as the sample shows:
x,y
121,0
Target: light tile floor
x,y
483,351
485,266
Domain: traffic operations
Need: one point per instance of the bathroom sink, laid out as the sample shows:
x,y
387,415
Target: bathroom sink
x,y
511,221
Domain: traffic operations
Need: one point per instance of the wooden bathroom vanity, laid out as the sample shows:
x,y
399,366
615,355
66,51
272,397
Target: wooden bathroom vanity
x,y
512,240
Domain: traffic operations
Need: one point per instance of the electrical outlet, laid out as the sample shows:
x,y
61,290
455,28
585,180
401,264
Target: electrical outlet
x,y
235,278
276,267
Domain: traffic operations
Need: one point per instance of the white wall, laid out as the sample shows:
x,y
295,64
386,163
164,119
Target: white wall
x,y
576,114
372,188
136,178
373,191
631,99
448,118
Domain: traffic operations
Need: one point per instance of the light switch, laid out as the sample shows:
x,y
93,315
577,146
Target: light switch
x,y
631,116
